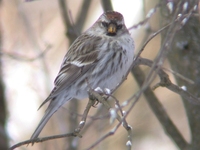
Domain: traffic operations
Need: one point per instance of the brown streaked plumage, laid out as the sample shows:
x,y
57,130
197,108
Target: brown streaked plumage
x,y
103,54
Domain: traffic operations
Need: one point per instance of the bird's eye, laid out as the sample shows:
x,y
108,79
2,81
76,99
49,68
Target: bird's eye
x,y
105,24
119,26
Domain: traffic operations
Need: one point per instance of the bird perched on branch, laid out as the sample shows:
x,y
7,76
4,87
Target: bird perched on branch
x,y
100,57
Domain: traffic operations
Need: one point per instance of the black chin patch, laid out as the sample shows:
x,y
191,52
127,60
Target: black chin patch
x,y
111,34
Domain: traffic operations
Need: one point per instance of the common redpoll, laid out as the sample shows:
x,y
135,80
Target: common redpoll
x,y
100,57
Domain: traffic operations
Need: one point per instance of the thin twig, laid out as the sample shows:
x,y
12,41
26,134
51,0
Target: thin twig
x,y
165,82
165,47
150,38
112,132
38,140
84,117
146,20
179,75
93,118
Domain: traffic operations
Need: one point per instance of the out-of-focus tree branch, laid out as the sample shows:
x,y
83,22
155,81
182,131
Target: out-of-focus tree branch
x,y
74,28
3,116
107,5
82,15
69,27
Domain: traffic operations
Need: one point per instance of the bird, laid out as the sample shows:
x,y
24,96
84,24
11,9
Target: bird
x,y
100,57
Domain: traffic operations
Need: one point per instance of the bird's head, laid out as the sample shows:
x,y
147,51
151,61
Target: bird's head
x,y
110,23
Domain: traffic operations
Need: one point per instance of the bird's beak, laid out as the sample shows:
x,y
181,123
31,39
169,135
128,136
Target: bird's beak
x,y
112,29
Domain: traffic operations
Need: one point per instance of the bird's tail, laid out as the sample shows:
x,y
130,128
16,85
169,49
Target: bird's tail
x,y
54,105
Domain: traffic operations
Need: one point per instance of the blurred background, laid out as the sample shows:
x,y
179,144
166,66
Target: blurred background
x,y
34,43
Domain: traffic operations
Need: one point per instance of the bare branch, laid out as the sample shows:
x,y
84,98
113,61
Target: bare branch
x,y
39,140
81,124
185,48
165,47
165,82
179,75
156,106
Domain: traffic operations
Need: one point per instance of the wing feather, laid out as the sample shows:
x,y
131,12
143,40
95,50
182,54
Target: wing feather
x,y
78,60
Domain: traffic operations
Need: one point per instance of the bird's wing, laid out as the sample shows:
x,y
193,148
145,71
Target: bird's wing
x,y
81,57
